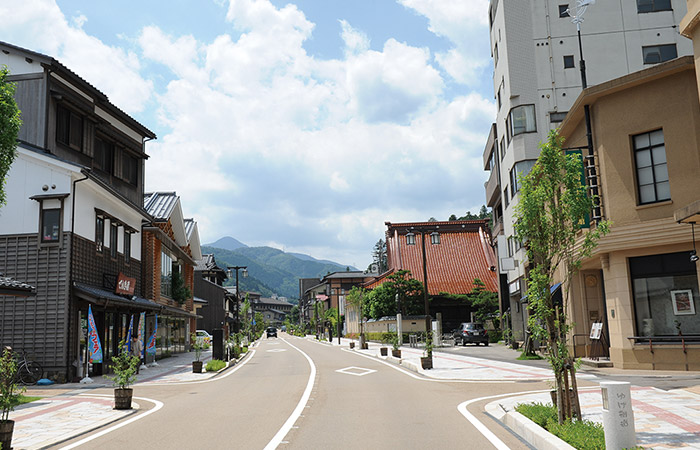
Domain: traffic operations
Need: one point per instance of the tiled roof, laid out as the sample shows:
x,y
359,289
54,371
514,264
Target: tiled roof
x,y
8,286
273,301
189,226
160,204
206,263
346,274
134,301
462,255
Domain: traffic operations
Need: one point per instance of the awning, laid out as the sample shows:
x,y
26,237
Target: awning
x,y
171,311
103,297
555,290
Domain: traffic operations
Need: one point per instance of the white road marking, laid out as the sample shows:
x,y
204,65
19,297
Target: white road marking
x,y
277,439
357,371
277,350
158,405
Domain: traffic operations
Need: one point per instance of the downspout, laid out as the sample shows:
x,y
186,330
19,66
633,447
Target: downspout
x,y
70,267
47,94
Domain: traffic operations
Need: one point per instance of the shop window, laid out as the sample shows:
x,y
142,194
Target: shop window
x,y
655,54
665,289
50,225
113,238
647,6
99,233
652,169
69,128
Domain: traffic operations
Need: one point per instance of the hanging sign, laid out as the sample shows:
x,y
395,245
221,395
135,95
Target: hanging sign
x,y
125,285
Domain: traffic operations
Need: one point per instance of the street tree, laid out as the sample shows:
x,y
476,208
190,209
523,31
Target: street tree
x,y
379,256
400,293
10,124
484,302
356,300
553,206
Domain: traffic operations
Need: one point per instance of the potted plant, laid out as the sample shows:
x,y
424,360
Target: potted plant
x,y
383,351
197,346
396,345
10,395
352,344
426,360
124,367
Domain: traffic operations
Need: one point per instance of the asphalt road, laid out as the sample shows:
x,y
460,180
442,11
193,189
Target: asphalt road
x,y
299,394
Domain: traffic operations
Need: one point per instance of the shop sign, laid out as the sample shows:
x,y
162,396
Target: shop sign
x,y
125,285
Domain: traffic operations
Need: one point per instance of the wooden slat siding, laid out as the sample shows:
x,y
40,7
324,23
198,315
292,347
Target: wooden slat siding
x,y
89,265
36,324
31,100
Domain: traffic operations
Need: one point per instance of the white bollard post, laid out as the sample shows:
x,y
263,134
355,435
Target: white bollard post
x,y
399,328
618,418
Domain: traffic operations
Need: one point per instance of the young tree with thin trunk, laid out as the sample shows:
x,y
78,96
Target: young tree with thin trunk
x,y
553,206
10,124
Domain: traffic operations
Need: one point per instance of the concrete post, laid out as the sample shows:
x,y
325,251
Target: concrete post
x,y
618,418
399,327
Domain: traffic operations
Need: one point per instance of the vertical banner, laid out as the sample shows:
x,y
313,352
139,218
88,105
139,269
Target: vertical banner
x,y
142,333
151,347
128,334
94,346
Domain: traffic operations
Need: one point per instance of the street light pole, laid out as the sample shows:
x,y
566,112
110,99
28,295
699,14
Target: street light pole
x,y
238,296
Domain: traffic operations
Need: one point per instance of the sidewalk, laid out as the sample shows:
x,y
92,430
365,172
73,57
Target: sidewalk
x,y
663,419
72,409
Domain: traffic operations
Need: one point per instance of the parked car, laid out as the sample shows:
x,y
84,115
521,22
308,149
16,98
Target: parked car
x,y
471,332
203,336
271,331
283,328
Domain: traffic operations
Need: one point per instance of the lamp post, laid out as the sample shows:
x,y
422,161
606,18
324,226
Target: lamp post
x,y
577,19
238,297
423,231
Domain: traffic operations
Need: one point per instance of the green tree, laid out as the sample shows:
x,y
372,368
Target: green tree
x,y
294,315
379,256
484,302
400,293
553,204
10,123
356,300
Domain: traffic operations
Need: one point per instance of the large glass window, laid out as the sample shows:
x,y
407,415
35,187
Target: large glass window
x,y
652,170
166,274
50,225
655,54
522,120
665,294
646,6
519,170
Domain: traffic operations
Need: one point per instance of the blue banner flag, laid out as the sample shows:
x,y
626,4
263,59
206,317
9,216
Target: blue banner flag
x,y
151,347
94,346
128,334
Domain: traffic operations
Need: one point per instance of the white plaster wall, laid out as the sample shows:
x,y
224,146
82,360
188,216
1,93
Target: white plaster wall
x,y
18,65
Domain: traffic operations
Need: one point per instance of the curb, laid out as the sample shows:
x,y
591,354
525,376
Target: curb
x,y
528,430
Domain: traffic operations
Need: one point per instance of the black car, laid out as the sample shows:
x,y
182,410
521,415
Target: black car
x,y
471,332
271,331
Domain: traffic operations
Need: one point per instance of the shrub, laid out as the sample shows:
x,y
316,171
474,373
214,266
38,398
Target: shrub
x,y
215,365
495,336
581,434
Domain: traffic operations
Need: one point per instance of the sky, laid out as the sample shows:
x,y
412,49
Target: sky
x,y
303,125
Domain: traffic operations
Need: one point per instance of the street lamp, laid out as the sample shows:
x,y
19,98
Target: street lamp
x,y
435,239
589,164
238,297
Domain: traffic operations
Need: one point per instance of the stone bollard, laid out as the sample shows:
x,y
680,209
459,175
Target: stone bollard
x,y
618,418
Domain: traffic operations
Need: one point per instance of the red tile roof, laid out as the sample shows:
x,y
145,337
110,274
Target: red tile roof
x,y
462,255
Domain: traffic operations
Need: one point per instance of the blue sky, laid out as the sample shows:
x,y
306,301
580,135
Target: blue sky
x,y
301,125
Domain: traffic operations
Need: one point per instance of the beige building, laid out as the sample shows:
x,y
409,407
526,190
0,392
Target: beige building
x,y
690,28
641,283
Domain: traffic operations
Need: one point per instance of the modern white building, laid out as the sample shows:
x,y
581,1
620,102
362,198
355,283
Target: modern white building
x,y
537,78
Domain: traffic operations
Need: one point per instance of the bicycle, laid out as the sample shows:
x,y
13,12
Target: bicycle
x,y
28,372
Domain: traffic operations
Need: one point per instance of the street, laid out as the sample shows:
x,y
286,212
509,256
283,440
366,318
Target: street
x,y
300,394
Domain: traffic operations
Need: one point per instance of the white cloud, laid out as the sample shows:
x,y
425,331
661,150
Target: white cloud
x,y
40,25
355,40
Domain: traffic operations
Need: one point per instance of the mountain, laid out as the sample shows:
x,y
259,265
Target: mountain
x,y
271,270
227,243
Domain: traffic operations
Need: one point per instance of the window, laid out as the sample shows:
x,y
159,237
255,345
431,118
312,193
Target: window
x,y
655,54
434,238
69,128
166,274
104,155
646,6
495,55
99,233
652,170
50,225
130,168
503,149
410,239
519,170
522,120
505,196
568,61
508,134
656,282
556,117
563,10
127,246
113,237
499,98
